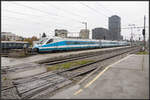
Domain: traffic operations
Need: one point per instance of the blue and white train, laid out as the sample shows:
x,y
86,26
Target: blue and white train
x,y
57,43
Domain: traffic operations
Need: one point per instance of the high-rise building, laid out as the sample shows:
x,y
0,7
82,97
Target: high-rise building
x,y
115,27
100,33
84,34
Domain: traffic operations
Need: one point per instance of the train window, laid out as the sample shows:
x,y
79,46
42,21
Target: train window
x,y
81,42
9,44
49,41
6,44
68,42
75,42
2,45
71,42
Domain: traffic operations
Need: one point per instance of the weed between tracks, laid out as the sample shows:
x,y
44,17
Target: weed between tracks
x,y
143,53
68,65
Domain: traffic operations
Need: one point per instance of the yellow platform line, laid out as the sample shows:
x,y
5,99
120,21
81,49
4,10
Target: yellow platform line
x,y
104,71
78,92
87,85
96,77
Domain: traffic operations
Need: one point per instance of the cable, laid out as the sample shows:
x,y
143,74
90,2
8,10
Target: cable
x,y
91,9
22,19
20,13
49,13
105,7
45,12
65,10
29,14
134,27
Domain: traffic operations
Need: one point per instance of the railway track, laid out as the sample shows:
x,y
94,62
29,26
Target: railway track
x,y
39,86
86,68
26,66
80,56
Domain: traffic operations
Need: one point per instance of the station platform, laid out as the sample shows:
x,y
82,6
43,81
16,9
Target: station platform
x,y
126,79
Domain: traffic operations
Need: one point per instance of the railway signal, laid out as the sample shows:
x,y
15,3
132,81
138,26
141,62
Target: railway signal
x,y
143,32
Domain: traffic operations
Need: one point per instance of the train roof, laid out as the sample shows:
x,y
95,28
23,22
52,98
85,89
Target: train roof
x,y
76,39
14,42
55,37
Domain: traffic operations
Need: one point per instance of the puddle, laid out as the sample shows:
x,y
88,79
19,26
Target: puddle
x,y
27,73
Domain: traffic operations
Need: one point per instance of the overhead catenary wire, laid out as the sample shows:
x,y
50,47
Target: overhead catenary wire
x,y
134,27
95,10
22,19
66,11
24,14
39,10
49,13
20,13
59,15
105,7
25,20
92,9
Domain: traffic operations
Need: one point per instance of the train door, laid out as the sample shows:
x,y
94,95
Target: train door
x,y
50,45
55,45
100,44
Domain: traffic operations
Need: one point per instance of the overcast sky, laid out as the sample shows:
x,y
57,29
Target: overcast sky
x,y
30,18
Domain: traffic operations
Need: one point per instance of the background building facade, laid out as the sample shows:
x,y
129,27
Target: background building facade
x,y
84,34
61,33
100,33
8,36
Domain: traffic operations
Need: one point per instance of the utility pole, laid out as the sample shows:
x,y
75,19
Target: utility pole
x,y
85,27
144,34
131,39
85,24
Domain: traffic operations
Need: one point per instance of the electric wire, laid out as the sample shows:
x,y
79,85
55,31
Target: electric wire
x,y
92,9
49,13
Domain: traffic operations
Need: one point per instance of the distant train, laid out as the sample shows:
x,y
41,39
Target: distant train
x,y
57,43
14,44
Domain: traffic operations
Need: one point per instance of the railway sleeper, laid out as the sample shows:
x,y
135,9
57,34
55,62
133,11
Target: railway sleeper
x,y
31,93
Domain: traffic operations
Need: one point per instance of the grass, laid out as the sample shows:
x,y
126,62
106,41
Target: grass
x,y
142,53
4,78
68,65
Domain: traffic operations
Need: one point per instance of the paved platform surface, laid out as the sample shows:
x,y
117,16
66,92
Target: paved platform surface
x,y
126,79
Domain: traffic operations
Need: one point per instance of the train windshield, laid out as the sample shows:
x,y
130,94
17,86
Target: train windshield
x,y
43,40
49,41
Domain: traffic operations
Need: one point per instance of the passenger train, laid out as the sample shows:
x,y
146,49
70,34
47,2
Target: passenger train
x,y
57,43
14,44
